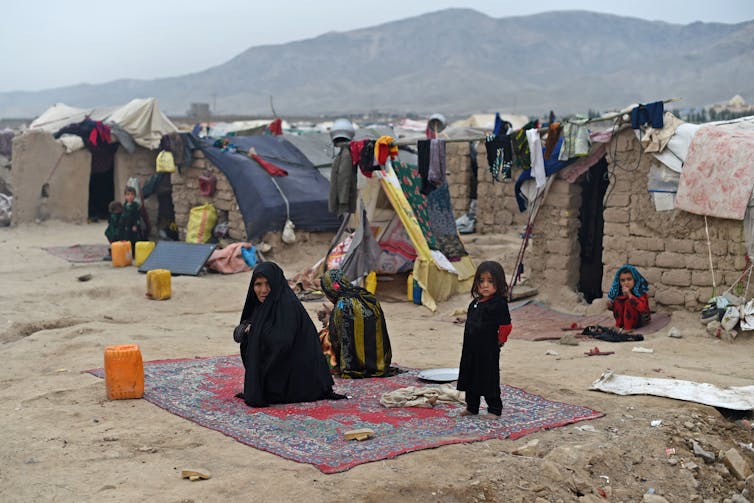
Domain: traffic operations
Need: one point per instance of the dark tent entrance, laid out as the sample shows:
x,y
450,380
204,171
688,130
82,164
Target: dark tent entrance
x,y
102,181
594,184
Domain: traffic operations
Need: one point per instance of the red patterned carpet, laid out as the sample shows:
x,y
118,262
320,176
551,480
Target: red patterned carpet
x,y
203,390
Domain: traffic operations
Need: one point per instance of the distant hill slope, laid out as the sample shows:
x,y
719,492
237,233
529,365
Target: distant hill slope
x,y
455,61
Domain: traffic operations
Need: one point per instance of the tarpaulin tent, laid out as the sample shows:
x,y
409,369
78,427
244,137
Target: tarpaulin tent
x,y
302,195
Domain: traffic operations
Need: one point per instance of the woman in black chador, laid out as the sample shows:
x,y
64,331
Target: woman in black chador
x,y
280,347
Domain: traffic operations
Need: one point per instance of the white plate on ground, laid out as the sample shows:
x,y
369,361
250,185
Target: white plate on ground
x,y
439,375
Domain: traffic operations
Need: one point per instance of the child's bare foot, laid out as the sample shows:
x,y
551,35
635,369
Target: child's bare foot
x,y
466,412
487,415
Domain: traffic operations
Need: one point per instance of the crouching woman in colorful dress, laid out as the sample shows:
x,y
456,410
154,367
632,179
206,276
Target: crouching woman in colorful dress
x,y
357,330
628,298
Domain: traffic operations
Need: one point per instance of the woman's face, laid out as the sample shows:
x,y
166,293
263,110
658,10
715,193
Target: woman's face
x,y
261,288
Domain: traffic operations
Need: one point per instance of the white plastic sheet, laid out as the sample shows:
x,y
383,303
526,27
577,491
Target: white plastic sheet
x,y
735,398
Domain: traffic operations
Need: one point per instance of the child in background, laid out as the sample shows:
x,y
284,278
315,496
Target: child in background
x,y
129,219
628,299
113,231
488,324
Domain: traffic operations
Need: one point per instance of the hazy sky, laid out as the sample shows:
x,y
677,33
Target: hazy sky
x,y
52,43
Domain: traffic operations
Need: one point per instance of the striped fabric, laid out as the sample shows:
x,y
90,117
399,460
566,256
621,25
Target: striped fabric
x,y
357,330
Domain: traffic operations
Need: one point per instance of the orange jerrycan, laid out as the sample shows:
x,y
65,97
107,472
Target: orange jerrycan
x,y
142,251
124,372
121,253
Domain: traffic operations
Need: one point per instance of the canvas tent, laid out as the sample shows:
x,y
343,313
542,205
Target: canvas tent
x,y
70,169
140,118
405,244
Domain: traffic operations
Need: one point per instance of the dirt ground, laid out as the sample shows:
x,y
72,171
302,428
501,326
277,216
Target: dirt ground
x,y
63,441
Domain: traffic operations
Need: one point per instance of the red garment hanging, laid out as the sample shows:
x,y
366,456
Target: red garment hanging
x,y
276,127
266,165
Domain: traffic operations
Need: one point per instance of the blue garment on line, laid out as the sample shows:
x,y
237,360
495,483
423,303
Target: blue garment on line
x,y
650,113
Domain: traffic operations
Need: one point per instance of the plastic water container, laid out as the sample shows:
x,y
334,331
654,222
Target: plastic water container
x,y
124,372
416,296
370,283
158,284
121,253
142,251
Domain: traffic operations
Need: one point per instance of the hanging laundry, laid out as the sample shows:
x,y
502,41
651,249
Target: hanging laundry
x,y
552,165
502,127
276,127
521,144
356,147
366,159
342,181
100,134
272,169
474,168
423,156
576,141
655,140
553,134
383,148
437,165
537,160
651,113
499,154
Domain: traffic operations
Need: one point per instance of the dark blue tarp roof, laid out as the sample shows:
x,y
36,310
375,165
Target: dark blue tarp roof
x,y
261,204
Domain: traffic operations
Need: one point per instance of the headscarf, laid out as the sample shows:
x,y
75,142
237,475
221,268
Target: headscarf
x,y
640,284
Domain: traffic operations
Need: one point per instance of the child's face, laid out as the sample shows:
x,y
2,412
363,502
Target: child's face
x,y
130,197
486,286
626,281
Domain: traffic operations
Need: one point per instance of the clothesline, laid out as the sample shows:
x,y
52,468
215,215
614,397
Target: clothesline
x,y
406,142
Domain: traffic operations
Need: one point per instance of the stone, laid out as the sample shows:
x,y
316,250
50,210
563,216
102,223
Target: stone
x,y
676,277
707,456
530,449
736,464
641,258
653,498
671,260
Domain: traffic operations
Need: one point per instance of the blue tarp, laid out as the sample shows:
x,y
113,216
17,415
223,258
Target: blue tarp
x,y
261,205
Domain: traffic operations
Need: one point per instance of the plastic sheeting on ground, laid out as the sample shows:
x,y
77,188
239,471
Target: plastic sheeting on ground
x,y
735,398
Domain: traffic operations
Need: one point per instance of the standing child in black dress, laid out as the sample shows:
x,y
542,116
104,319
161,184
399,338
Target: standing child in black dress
x,y
488,324
129,218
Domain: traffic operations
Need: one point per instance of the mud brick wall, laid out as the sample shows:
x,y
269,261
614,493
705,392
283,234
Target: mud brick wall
x,y
554,255
496,204
186,195
668,247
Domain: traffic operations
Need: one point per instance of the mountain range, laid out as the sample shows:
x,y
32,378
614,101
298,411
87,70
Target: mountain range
x,y
455,61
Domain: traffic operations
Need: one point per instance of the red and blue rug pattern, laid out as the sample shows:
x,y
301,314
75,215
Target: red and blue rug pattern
x,y
203,390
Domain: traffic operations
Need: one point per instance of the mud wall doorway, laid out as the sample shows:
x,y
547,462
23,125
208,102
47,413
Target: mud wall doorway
x,y
594,184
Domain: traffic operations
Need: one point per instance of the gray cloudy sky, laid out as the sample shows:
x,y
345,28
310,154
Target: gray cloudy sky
x,y
52,43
